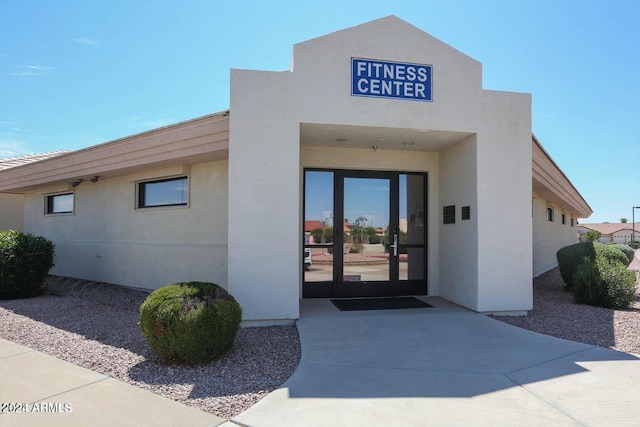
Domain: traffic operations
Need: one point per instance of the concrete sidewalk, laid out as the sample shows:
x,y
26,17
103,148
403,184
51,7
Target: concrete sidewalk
x,y
445,366
435,366
57,393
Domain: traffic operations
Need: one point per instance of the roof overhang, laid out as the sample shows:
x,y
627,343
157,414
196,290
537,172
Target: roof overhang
x,y
551,183
199,140
205,139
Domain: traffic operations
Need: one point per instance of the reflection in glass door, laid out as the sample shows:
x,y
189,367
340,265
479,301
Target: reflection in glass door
x,y
366,217
318,233
365,234
412,234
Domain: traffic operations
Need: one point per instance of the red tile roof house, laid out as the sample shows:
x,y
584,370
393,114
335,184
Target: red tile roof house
x,y
612,232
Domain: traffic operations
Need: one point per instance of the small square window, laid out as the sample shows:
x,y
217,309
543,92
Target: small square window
x,y
59,204
466,212
550,214
164,192
449,214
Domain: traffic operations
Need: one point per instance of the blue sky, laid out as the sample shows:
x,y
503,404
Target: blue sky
x,y
78,73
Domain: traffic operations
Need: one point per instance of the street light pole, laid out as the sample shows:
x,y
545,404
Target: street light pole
x,y
633,223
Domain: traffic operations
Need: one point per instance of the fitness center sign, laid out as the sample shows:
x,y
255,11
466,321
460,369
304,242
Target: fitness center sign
x,y
385,79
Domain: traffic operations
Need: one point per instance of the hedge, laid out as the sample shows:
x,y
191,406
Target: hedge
x,y
570,257
25,261
604,283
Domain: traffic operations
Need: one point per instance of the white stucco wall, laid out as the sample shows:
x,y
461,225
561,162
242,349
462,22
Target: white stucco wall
x,y
458,243
504,203
625,236
264,162
11,212
108,240
549,237
264,198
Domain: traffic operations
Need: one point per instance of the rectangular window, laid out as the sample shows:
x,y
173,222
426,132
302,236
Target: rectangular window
x,y
59,204
163,192
550,214
564,219
449,214
572,222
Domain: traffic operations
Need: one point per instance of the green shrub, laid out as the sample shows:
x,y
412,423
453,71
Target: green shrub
x,y
25,261
592,235
626,250
374,239
190,323
634,244
570,257
604,283
612,253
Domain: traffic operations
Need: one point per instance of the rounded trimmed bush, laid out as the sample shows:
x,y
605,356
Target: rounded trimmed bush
x,y
190,323
25,261
604,283
626,250
570,257
612,253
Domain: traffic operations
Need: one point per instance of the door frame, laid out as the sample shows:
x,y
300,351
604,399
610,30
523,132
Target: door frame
x,y
341,287
338,287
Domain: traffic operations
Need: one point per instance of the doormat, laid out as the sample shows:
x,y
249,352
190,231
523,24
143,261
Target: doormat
x,y
378,303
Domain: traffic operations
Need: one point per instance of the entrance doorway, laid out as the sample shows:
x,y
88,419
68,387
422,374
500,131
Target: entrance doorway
x,y
365,233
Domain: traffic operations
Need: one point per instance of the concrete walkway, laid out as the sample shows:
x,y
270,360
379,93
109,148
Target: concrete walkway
x,y
439,366
57,393
445,366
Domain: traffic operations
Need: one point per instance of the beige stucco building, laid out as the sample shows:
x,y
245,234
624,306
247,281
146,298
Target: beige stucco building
x,y
11,212
12,204
380,125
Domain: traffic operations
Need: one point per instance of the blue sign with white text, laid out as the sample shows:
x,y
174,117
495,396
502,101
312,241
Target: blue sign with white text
x,y
385,79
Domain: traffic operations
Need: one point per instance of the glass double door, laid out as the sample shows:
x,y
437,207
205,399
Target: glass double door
x,y
365,233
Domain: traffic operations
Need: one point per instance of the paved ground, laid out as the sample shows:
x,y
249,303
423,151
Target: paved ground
x,y
435,366
445,366
39,390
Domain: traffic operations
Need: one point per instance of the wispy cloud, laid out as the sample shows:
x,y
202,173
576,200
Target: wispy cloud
x,y
141,122
12,148
87,41
32,70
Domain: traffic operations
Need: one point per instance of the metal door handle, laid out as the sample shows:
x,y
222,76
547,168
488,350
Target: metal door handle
x,y
395,244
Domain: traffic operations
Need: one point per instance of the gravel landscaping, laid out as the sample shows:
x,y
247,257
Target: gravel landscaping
x,y
554,313
95,326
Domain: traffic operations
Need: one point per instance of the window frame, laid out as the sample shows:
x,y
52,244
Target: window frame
x,y
550,214
564,219
49,203
141,191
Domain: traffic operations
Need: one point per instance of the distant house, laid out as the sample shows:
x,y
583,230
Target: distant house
x,y
311,225
612,232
